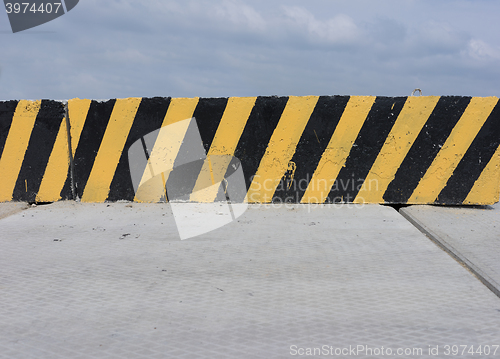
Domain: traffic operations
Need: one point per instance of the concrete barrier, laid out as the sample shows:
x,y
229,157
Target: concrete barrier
x,y
34,162
325,149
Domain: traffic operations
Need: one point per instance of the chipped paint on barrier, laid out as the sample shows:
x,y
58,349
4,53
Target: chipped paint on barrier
x,y
361,149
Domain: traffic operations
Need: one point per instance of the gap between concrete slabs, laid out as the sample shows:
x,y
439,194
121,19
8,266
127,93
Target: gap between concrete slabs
x,y
442,225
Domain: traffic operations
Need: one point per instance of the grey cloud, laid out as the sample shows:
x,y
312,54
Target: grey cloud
x,y
242,48
340,29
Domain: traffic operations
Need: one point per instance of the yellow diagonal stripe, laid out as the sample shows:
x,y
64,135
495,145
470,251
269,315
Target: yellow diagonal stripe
x,y
113,141
56,171
486,189
222,149
16,145
57,168
339,147
180,109
453,150
161,162
410,122
77,113
281,148
165,150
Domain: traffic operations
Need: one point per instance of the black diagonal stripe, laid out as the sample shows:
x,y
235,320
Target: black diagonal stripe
x,y
41,143
7,110
312,144
257,133
208,114
89,143
424,150
366,148
474,161
150,116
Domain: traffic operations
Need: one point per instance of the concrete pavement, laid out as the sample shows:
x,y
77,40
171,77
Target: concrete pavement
x,y
471,235
10,208
115,281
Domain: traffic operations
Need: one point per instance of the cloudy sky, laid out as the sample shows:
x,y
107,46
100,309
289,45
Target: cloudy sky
x,y
122,48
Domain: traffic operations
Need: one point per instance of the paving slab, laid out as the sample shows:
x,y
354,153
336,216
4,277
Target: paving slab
x,y
115,281
470,234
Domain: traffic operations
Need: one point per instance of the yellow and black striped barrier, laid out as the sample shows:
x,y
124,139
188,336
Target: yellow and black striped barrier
x,y
314,149
34,162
